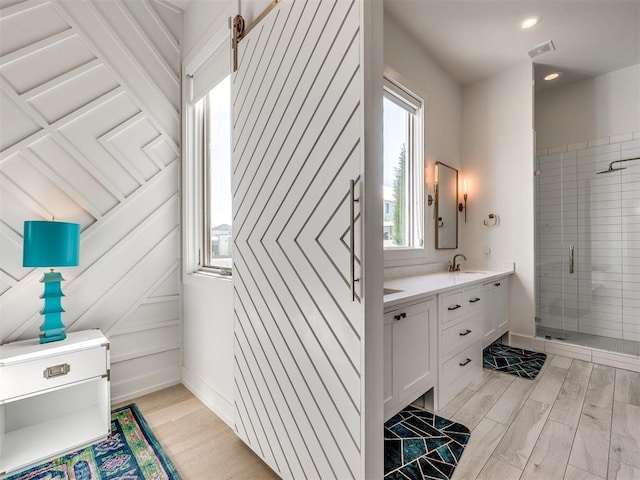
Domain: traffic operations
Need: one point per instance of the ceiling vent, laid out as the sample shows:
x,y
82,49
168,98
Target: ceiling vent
x,y
540,49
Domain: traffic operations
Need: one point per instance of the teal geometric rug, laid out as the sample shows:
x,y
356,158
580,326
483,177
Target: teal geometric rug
x,y
419,445
131,452
514,361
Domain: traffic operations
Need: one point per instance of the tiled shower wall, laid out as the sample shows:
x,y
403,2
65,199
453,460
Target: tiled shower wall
x,y
600,216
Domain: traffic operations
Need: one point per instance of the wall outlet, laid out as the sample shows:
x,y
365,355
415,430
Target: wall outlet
x,y
486,250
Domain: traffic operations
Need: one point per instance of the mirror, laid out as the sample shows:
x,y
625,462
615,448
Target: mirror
x,y
446,215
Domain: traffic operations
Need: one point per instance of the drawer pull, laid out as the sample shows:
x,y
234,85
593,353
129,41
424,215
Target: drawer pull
x,y
465,333
454,307
496,284
400,316
56,370
474,300
466,362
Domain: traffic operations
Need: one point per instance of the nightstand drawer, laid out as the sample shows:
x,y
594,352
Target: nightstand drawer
x,y
32,376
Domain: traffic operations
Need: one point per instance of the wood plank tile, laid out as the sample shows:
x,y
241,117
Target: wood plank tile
x,y
509,404
498,470
477,407
600,390
454,405
625,434
620,471
590,450
549,385
518,443
561,362
480,381
569,402
484,439
627,387
549,458
580,371
574,473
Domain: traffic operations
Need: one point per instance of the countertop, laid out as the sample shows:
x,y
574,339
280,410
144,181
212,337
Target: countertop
x,y
422,286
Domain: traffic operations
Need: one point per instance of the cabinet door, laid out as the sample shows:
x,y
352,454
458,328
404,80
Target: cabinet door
x,y
501,304
496,310
414,359
489,321
389,394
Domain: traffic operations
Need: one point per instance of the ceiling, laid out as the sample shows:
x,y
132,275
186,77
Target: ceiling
x,y
474,39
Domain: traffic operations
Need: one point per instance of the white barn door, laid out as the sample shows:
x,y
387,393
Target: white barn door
x,y
297,126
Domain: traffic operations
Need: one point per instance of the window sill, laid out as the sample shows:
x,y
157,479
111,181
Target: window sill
x,y
202,277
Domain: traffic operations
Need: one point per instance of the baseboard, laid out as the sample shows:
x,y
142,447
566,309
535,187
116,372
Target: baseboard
x,y
214,401
594,355
127,395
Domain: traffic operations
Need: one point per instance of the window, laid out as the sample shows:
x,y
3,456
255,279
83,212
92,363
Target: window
x,y
403,172
207,219
217,242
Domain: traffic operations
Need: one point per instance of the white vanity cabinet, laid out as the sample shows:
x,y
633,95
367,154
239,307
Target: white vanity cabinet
x,y
54,397
496,310
460,345
410,334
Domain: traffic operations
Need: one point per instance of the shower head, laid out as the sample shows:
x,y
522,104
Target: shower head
x,y
616,169
611,169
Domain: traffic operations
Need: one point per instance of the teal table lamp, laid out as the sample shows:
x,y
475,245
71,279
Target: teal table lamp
x,y
51,244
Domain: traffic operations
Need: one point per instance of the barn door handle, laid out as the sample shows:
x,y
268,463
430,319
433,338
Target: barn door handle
x,y
352,240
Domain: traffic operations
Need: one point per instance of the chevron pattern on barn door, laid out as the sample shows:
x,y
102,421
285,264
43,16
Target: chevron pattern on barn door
x,y
298,334
89,111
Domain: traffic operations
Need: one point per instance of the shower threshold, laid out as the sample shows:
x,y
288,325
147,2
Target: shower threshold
x,y
617,345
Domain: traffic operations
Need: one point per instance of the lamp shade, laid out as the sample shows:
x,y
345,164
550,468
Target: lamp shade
x,y
51,244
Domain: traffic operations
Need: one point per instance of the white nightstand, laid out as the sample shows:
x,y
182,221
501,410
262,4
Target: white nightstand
x,y
54,398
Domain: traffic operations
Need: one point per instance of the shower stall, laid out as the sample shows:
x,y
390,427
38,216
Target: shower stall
x,y
588,244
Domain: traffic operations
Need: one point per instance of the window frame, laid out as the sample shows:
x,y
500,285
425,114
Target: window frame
x,y
397,92
194,181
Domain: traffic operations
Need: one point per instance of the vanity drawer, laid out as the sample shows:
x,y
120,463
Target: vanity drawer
x,y
474,301
452,307
468,360
455,337
32,376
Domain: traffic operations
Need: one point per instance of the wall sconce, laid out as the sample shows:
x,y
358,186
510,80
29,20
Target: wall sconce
x,y
462,206
51,244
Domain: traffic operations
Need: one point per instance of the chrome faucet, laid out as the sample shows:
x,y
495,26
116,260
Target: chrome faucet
x,y
453,267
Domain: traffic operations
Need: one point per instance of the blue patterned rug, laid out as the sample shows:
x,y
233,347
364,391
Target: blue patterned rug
x,y
515,361
130,453
419,445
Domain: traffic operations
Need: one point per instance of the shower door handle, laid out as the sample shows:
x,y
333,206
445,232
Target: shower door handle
x,y
571,259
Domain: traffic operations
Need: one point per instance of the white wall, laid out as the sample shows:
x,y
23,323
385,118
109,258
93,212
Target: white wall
x,y
498,154
207,368
406,61
599,107
89,133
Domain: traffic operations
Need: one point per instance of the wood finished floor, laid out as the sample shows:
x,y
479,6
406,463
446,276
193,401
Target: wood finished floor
x,y
576,421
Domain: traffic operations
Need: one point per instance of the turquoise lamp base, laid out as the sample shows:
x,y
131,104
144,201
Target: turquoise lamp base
x,y
52,328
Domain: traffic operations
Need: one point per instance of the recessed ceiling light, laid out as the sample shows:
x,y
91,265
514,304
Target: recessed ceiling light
x,y
530,22
552,76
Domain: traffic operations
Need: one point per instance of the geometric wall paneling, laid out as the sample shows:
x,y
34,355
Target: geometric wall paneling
x,y
162,151
298,344
116,14
21,27
68,92
142,374
84,132
20,127
150,314
168,286
41,190
74,177
144,342
89,133
126,142
139,82
38,63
